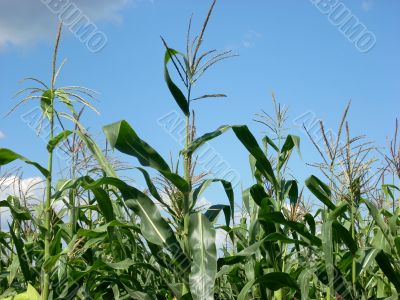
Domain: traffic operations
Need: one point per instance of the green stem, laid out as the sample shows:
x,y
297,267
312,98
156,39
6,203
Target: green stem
x,y
278,206
47,206
186,204
47,211
353,266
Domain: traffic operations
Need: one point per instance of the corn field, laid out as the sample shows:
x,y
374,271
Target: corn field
x,y
97,235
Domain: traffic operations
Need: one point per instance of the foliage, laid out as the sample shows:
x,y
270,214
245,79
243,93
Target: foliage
x,y
113,240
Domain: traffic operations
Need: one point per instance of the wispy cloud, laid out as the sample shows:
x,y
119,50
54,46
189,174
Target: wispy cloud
x,y
25,22
250,38
2,135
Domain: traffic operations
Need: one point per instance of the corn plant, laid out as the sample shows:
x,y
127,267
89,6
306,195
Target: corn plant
x,y
96,235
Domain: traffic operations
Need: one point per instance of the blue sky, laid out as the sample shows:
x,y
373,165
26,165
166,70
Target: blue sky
x,y
286,47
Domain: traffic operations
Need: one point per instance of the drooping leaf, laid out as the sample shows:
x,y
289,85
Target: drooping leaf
x,y
7,156
18,211
214,210
122,137
341,233
250,143
227,188
380,222
258,193
390,272
292,191
98,154
58,139
173,88
320,190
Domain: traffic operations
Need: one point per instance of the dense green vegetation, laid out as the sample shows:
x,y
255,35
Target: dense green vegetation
x,y
111,240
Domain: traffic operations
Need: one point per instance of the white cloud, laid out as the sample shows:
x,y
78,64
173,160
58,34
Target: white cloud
x,y
2,135
24,22
30,190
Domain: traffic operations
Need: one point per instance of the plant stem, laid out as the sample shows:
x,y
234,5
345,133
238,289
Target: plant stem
x,y
47,206
353,266
47,210
186,204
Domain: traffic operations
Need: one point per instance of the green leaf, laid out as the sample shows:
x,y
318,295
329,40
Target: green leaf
x,y
273,281
140,295
276,236
46,103
204,254
18,212
228,191
173,88
58,139
327,248
258,193
153,227
213,212
22,257
98,154
7,156
240,256
292,141
194,145
248,140
122,137
267,141
292,191
311,222
152,188
384,263
30,294
98,231
320,190
380,222
287,148
262,163
300,228
340,210
104,203
250,143
341,233
366,257
304,280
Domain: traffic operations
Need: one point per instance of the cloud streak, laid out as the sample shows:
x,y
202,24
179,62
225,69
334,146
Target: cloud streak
x,y
25,22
